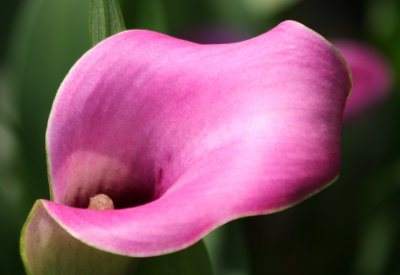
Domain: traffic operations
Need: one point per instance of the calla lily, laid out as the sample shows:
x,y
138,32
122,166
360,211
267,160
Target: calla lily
x,y
185,137
371,75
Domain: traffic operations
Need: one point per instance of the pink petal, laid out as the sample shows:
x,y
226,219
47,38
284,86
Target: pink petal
x,y
371,76
195,135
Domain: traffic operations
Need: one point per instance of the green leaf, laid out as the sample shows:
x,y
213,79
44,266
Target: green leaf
x,y
47,248
105,19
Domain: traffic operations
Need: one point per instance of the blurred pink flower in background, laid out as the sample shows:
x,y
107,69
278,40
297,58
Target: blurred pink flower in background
x,y
372,76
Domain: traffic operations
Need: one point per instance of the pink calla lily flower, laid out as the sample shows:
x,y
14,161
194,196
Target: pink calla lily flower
x,y
185,137
371,74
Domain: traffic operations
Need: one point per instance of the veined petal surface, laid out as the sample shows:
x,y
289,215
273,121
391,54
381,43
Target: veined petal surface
x,y
185,137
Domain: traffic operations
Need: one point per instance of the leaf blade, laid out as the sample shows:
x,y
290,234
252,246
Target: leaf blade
x,y
106,19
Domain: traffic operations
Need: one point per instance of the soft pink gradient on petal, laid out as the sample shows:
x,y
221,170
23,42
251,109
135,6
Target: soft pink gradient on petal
x,y
372,76
194,135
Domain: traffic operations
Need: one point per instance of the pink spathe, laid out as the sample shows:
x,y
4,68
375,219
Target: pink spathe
x,y
185,137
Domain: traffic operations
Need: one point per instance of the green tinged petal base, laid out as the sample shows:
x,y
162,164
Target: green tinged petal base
x,y
46,248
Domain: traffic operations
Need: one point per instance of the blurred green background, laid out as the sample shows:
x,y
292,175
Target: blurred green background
x,y
353,227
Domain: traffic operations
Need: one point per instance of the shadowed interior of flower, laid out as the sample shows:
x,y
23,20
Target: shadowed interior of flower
x,y
185,137
95,174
